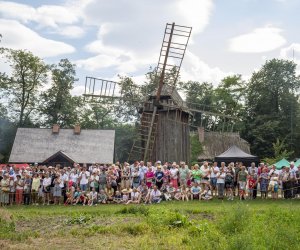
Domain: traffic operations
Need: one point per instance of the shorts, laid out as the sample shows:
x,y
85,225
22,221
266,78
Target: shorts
x,y
242,185
213,181
229,185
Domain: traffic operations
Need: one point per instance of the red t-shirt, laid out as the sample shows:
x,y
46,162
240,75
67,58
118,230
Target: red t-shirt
x,y
251,183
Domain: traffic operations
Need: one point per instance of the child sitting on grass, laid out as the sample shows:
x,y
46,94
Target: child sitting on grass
x,y
206,194
171,191
93,197
102,198
134,197
126,192
117,197
195,191
76,196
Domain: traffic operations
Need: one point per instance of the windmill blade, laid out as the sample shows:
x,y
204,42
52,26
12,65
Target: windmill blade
x,y
97,89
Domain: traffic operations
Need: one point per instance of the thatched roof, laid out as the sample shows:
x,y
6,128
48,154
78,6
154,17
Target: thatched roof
x,y
37,145
215,143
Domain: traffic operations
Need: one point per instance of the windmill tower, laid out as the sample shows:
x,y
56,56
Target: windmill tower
x,y
161,139
164,131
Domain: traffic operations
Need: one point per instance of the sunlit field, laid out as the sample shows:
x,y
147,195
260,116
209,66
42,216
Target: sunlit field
x,y
258,224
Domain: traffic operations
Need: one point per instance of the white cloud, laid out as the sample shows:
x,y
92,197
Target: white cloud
x,y
258,41
18,36
58,19
195,69
71,31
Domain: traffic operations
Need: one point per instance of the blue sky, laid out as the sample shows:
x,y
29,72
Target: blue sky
x,y
106,38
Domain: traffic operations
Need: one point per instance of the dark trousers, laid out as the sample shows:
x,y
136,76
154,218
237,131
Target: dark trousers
x,y
287,189
27,198
255,192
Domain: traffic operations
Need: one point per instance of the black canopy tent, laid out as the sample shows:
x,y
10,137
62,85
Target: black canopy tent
x,y
235,154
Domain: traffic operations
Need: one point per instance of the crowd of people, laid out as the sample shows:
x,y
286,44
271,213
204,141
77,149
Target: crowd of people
x,y
145,183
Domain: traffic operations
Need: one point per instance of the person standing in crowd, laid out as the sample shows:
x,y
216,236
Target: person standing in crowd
x,y
264,182
102,180
74,177
237,169
57,189
159,177
12,190
64,184
135,177
253,170
166,174
205,175
126,176
35,189
229,181
286,183
251,185
19,190
196,174
27,189
142,171
242,180
84,179
221,182
298,181
47,188
293,179
214,170
174,175
184,173
4,190
149,177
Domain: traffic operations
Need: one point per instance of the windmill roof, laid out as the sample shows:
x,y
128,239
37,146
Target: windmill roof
x,y
37,145
170,91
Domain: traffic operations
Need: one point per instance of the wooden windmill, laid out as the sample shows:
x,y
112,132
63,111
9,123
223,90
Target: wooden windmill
x,y
164,131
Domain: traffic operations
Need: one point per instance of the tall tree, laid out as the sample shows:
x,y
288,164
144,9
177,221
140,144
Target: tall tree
x,y
271,106
28,74
59,106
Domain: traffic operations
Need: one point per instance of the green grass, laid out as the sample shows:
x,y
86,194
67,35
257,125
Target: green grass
x,y
215,224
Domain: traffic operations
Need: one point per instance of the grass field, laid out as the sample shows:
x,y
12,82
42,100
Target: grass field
x,y
174,225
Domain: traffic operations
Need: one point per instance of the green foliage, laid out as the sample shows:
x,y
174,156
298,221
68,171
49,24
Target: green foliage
x,y
59,106
196,147
271,106
21,88
280,152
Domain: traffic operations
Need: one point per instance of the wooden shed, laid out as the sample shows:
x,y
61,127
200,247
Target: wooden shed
x,y
172,140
